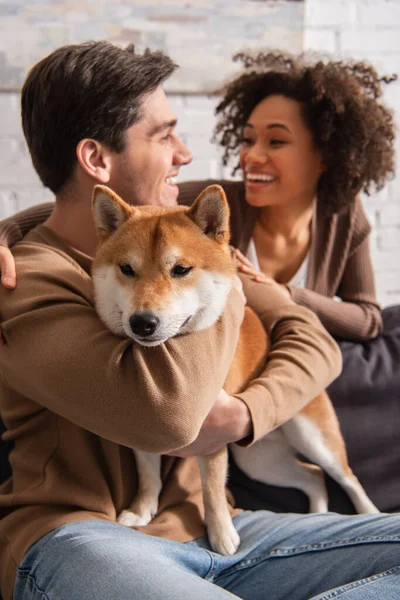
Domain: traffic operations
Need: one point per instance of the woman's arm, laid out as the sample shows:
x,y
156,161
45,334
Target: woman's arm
x,y
303,359
358,315
17,226
14,229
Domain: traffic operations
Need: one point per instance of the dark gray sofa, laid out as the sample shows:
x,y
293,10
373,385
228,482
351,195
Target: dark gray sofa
x,y
366,397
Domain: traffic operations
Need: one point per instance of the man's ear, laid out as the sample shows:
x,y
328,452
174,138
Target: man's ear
x,y
94,158
210,212
109,210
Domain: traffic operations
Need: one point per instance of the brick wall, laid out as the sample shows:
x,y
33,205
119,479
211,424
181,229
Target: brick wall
x,y
359,28
368,29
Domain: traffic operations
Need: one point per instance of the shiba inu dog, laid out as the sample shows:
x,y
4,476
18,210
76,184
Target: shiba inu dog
x,y
166,271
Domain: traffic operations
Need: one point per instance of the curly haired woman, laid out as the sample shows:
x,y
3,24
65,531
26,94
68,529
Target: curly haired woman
x,y
310,135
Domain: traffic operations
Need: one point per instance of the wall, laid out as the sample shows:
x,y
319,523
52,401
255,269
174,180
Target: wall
x,y
201,35
359,28
368,29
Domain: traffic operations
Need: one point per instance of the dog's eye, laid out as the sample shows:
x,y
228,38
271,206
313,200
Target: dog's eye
x,y
127,270
180,271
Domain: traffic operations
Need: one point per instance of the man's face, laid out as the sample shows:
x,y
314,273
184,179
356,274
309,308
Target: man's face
x,y
145,172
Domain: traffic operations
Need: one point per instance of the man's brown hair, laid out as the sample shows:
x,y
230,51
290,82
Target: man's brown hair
x,y
351,127
90,90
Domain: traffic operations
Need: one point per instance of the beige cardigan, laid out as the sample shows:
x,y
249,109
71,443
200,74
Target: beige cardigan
x,y
340,263
75,399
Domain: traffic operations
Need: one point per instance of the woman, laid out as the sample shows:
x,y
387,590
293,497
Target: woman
x,y
310,137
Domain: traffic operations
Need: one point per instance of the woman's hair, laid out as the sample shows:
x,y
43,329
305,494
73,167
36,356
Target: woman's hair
x,y
89,90
352,129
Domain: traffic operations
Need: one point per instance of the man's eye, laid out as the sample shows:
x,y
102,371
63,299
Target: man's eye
x,y
166,138
180,271
127,270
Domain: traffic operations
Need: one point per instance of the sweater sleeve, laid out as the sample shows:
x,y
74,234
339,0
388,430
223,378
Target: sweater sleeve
x,y
61,356
303,360
13,229
358,315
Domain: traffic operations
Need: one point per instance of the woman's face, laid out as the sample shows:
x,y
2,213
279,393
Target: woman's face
x,y
280,163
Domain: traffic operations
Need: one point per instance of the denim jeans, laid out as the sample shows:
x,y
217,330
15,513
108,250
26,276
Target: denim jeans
x,y
281,556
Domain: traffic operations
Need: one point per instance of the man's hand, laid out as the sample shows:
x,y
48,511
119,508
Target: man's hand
x,y
7,268
228,421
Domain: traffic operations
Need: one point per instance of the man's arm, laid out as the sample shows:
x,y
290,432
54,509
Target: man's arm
x,y
60,355
302,362
358,316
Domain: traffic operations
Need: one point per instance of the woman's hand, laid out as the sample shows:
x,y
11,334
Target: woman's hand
x,y
245,266
7,268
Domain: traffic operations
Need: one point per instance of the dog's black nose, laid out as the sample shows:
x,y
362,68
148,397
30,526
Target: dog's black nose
x,y
144,323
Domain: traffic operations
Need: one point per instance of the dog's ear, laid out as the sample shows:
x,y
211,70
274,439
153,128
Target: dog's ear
x,y
109,210
210,212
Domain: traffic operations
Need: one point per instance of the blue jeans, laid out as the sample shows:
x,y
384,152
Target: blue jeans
x,y
281,556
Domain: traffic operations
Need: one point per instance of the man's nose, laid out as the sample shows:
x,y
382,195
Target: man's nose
x,y
182,154
144,323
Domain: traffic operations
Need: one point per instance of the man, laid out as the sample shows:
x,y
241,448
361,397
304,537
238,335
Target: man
x,y
75,399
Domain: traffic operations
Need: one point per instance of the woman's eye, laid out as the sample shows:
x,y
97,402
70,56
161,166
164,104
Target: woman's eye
x,y
127,270
180,271
246,141
276,142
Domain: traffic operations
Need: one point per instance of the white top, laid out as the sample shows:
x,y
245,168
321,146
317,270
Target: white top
x,y
299,279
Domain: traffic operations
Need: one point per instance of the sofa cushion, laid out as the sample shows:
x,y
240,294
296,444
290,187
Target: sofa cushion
x,y
366,397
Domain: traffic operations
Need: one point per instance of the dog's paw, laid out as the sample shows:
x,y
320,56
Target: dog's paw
x,y
224,540
131,519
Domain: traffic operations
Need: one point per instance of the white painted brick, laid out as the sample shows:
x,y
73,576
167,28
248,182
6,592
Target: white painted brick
x,y
375,40
386,260
390,216
201,147
201,169
199,122
320,40
378,13
376,200
202,103
330,13
33,195
176,103
10,119
389,239
8,204
388,286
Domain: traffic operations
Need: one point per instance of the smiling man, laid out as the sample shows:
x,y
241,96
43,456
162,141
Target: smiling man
x,y
76,399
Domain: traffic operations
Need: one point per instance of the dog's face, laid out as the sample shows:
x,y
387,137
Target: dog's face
x,y
161,271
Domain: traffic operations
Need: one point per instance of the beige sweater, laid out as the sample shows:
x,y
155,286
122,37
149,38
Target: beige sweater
x,y
340,262
75,399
